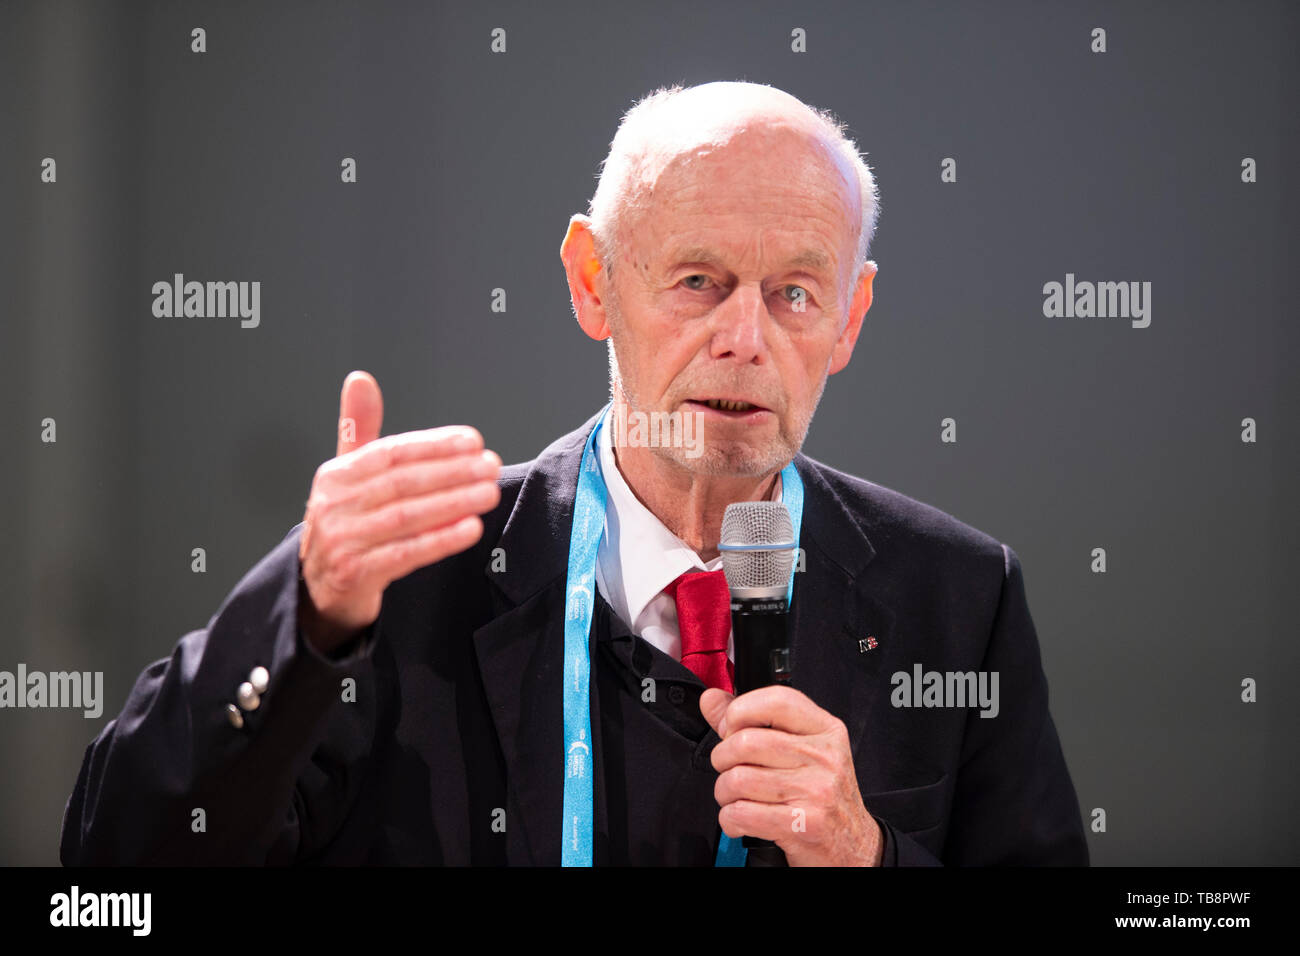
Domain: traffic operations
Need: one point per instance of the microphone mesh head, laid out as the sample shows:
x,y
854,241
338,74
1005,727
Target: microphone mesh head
x,y
757,523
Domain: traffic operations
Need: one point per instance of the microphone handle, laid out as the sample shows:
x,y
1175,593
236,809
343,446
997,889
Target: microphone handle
x,y
761,631
767,855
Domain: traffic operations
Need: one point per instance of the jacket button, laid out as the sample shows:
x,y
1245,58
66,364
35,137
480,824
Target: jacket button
x,y
234,716
260,679
247,697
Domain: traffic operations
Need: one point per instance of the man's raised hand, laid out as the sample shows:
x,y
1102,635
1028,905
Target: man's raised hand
x,y
383,507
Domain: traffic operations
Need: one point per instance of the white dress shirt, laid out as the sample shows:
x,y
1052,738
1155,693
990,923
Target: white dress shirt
x,y
638,557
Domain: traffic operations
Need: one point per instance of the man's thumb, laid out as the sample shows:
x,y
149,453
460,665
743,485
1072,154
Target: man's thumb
x,y
713,705
361,411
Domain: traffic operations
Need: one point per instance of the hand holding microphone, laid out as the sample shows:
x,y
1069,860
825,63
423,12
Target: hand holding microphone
x,y
786,779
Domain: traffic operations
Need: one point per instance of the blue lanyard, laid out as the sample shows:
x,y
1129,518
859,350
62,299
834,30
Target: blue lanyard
x,y
579,765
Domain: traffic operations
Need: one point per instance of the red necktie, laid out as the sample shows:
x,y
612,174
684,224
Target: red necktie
x,y
704,620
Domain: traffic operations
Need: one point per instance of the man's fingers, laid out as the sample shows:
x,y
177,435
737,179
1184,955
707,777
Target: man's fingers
x,y
761,784
429,444
417,478
777,706
406,517
767,821
361,412
763,747
397,559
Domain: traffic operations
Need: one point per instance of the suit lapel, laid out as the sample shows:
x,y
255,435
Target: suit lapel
x,y
833,621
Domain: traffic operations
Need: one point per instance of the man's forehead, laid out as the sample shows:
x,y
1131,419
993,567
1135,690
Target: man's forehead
x,y
692,145
808,178
761,146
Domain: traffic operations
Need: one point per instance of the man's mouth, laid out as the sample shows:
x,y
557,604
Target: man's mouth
x,y
728,405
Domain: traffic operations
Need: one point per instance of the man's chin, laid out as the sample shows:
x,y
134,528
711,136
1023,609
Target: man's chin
x,y
725,460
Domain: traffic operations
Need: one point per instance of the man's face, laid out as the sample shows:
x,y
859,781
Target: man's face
x,y
734,283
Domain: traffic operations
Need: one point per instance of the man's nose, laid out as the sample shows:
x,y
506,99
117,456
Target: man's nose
x,y
739,323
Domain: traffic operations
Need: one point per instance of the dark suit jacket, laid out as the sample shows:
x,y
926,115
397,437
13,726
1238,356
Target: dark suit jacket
x,y
449,750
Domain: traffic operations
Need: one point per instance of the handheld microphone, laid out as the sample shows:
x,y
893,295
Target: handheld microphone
x,y
757,546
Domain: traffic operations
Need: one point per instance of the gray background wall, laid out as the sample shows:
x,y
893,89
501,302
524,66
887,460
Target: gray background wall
x,y
1072,433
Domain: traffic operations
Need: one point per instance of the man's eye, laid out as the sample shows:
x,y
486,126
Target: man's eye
x,y
697,275
800,294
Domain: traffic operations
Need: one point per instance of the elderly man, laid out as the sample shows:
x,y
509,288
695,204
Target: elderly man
x,y
402,680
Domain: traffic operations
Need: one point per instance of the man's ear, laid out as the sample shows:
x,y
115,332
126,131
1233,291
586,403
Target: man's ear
x,y
586,277
857,313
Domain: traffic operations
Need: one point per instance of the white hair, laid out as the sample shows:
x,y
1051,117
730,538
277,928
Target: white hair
x,y
653,132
